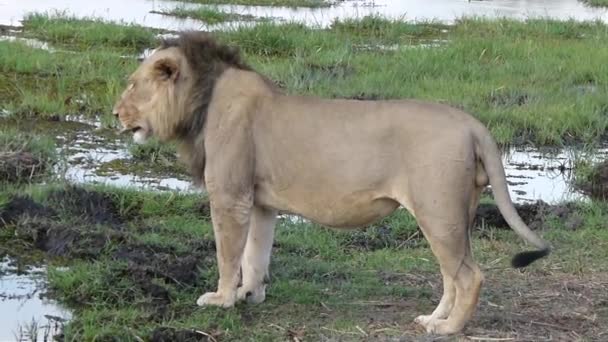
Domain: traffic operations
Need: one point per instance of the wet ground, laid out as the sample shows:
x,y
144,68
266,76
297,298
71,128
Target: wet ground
x,y
82,224
95,155
138,11
26,314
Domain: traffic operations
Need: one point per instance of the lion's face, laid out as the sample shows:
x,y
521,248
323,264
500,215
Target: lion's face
x,y
151,105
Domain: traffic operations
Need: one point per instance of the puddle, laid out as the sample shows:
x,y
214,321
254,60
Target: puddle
x,y
138,11
545,174
85,153
33,43
24,313
85,149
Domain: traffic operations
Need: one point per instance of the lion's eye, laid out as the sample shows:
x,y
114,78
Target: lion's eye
x,y
131,86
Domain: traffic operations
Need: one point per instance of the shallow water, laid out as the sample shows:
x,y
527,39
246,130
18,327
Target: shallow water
x,y
138,11
545,174
21,304
86,156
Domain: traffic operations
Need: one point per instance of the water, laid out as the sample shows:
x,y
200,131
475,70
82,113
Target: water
x,y
138,11
545,174
85,156
21,304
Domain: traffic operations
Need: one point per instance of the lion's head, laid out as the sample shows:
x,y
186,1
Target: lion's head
x,y
169,93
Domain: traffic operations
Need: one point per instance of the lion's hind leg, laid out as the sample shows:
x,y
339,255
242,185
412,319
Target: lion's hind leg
x,y
256,258
451,245
445,305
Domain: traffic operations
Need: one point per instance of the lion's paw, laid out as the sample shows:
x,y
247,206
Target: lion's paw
x,y
424,320
253,296
216,299
440,327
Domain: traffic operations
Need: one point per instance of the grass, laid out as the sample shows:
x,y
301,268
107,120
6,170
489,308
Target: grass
x,y
596,3
87,33
138,261
285,3
538,81
209,16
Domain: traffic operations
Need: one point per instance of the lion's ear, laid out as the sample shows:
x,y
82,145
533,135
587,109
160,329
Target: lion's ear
x,y
166,69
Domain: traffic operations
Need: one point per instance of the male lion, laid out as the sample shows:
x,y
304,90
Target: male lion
x,y
341,163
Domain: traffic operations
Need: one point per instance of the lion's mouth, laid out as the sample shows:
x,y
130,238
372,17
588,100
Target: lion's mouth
x,y
130,129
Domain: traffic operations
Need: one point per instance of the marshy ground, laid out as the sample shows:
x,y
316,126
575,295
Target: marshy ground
x,y
130,263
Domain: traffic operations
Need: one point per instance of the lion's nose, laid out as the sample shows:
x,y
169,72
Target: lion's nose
x,y
115,112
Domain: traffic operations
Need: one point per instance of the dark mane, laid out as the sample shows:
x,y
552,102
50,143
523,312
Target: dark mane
x,y
208,59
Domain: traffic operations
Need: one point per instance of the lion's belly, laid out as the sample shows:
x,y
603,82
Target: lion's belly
x,y
338,210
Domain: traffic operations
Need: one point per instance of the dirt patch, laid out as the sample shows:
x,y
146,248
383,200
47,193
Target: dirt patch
x,y
91,206
536,215
596,184
530,306
20,167
164,334
22,205
60,239
366,97
165,262
542,307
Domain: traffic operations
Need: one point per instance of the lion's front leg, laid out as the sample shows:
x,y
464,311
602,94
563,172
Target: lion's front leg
x,y
256,259
230,220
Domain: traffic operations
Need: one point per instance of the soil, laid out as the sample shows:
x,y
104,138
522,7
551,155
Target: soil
x,y
170,335
536,215
596,185
96,229
531,306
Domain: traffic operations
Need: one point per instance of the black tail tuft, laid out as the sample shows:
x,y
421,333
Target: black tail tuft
x,y
524,259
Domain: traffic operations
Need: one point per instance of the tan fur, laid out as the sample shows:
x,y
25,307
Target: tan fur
x,y
341,163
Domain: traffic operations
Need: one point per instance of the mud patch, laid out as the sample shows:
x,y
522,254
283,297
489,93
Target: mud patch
x,y
22,205
366,97
82,224
92,206
596,184
164,334
536,215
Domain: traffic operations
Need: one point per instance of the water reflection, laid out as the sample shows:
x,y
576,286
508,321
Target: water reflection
x,y
138,11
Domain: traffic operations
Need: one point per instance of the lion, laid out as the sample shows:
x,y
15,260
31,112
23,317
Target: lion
x,y
342,163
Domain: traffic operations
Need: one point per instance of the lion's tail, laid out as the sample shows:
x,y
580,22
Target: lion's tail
x,y
490,156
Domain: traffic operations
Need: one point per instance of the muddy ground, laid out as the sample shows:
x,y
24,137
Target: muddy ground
x,y
75,223
88,225
596,184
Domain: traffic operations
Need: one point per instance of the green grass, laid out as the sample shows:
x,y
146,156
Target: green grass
x,y
596,3
324,283
41,83
538,81
286,3
210,16
87,33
